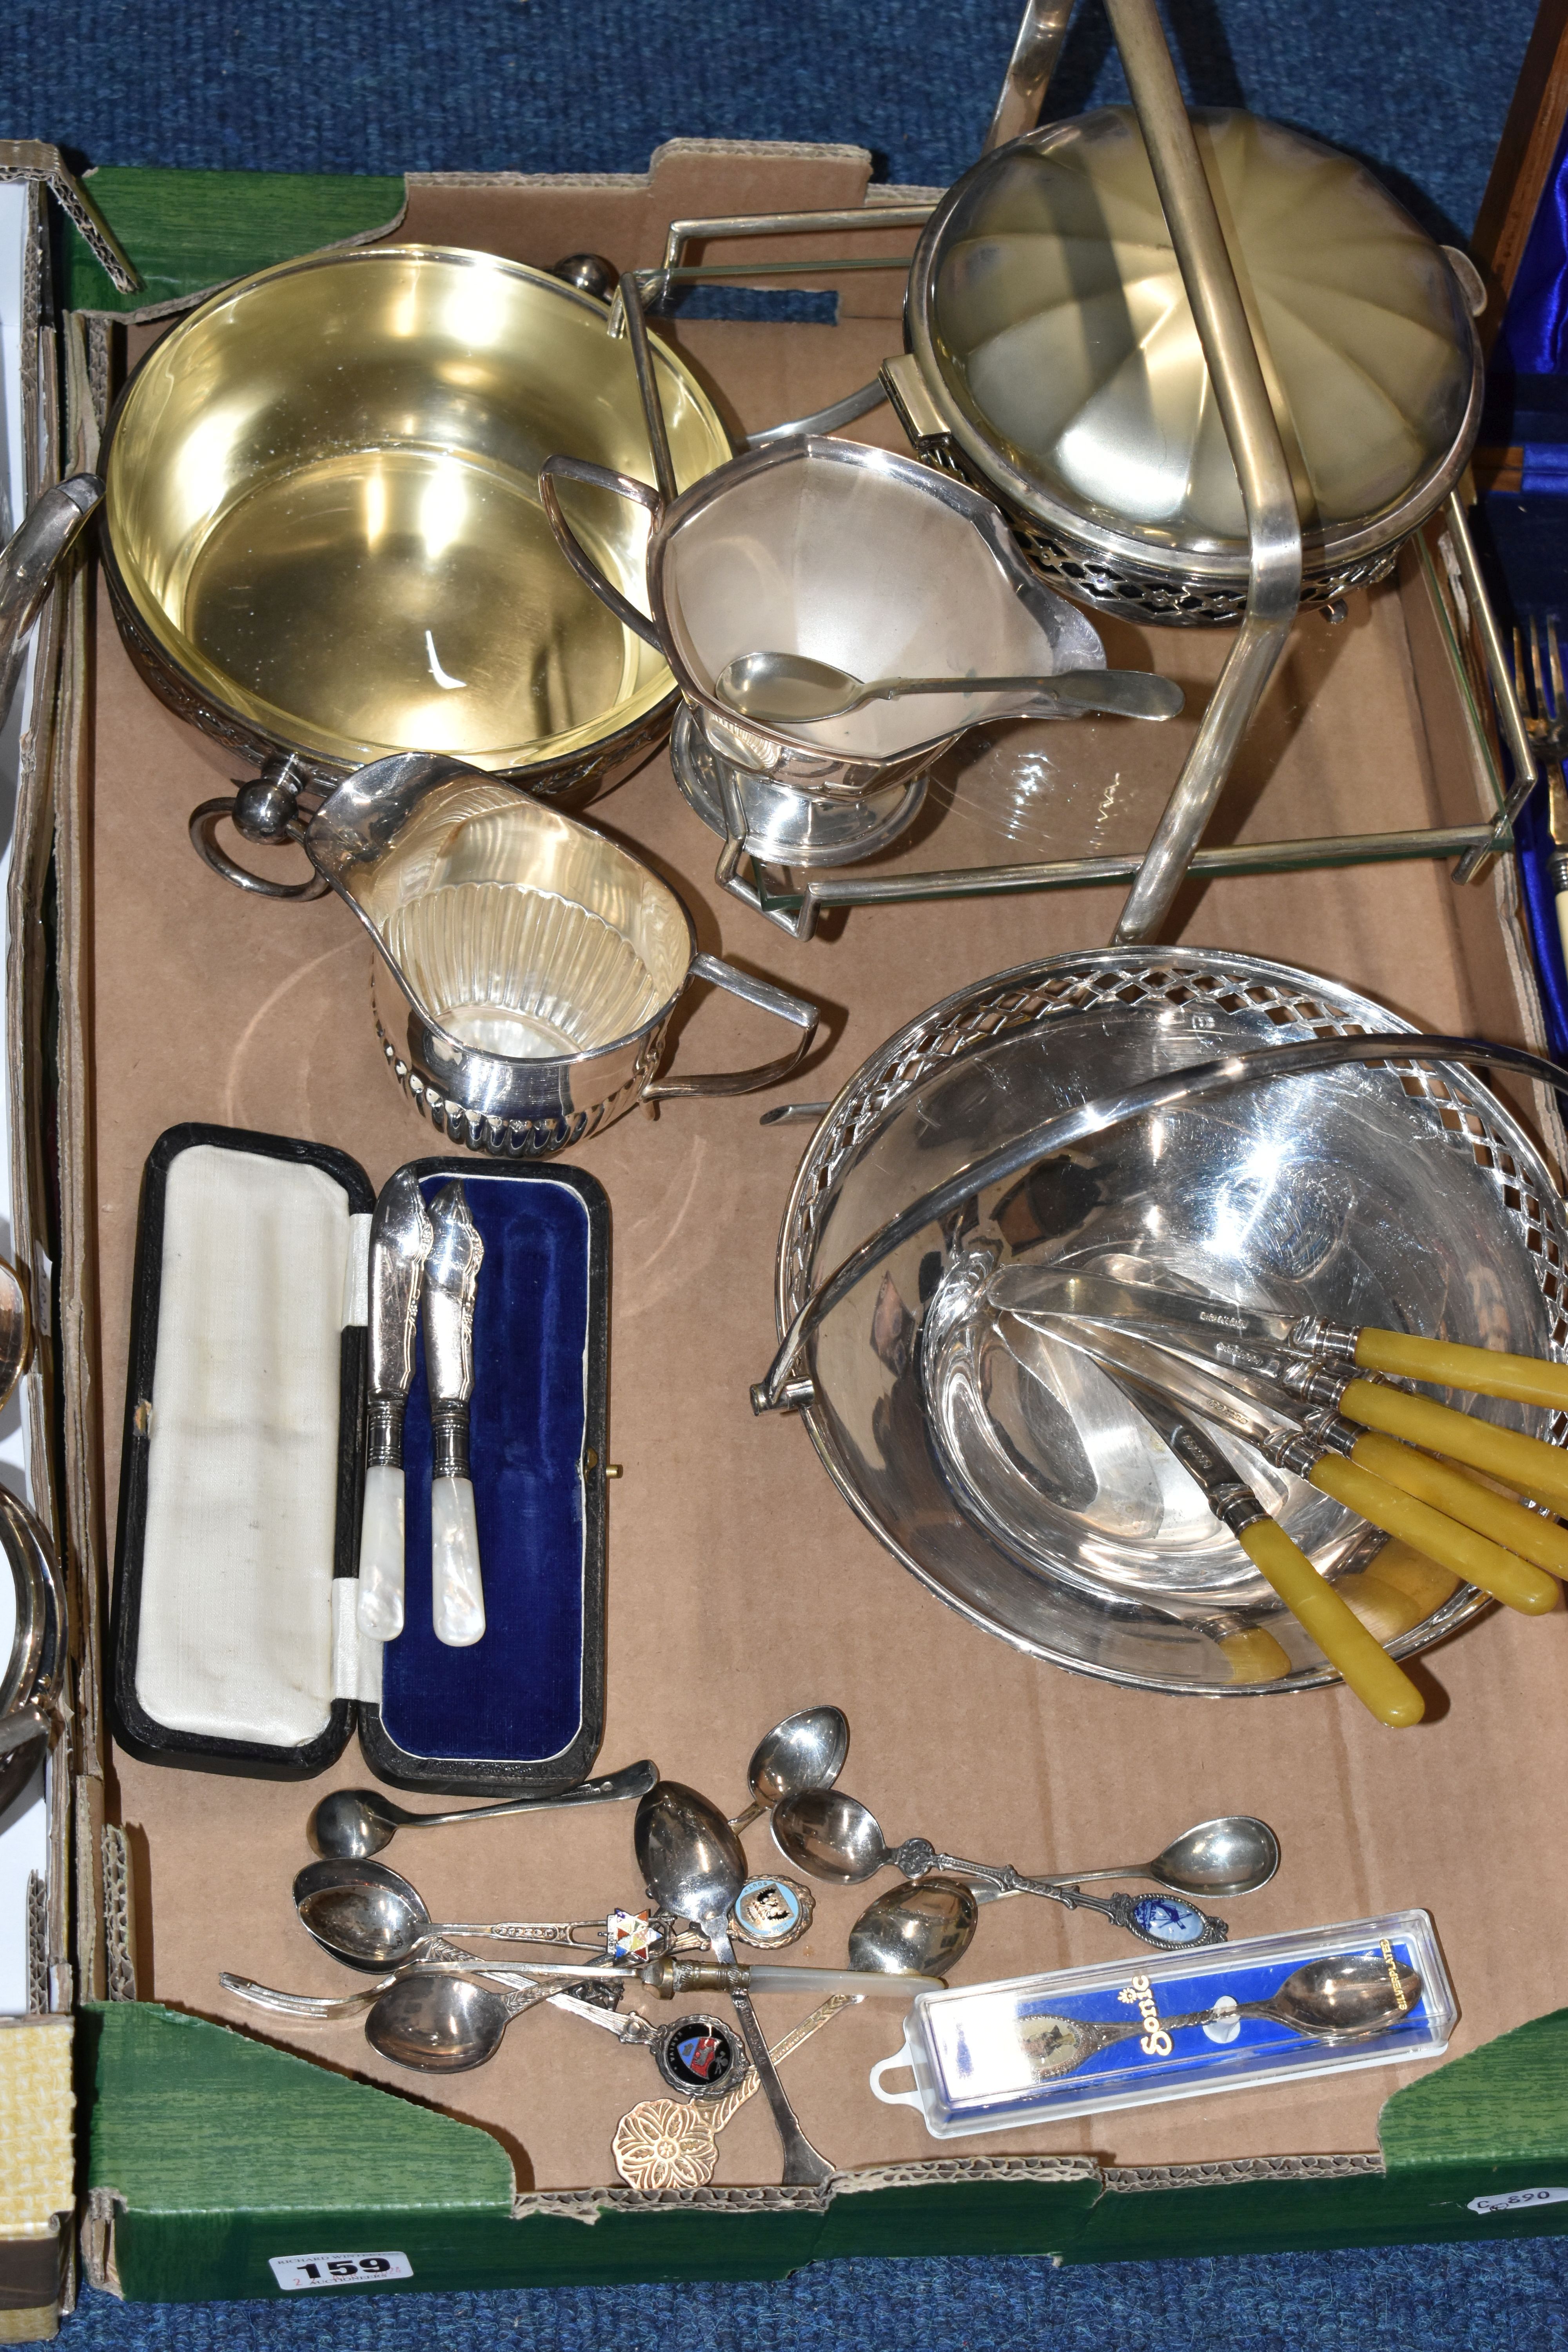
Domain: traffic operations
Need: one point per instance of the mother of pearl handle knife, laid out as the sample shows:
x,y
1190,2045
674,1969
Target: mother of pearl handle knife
x,y
400,1238
451,1281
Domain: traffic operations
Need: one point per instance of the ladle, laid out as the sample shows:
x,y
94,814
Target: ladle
x,y
352,1823
835,1837
1331,2001
369,1916
782,690
804,1751
692,1865
1234,1856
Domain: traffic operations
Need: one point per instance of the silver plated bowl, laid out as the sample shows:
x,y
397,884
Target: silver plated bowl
x,y
1399,1196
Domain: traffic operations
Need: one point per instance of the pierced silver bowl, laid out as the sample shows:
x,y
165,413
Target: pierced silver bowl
x,y
1398,1195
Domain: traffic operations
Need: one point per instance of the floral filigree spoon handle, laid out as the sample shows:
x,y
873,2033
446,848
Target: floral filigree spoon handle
x,y
674,2143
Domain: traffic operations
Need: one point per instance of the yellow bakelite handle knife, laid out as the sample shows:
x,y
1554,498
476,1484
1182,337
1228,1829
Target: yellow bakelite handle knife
x,y
1483,1371
1383,1686
1466,1499
1254,1655
1474,1556
1525,1463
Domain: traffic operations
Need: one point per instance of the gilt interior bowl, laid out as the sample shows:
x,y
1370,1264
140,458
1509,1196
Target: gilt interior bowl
x,y
323,529
1043,1509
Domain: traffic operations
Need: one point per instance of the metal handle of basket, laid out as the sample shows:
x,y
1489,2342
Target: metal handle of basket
x,y
1269,496
624,486
796,1010
1174,1091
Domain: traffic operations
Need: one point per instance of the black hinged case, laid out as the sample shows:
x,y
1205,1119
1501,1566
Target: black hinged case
x,y
236,1637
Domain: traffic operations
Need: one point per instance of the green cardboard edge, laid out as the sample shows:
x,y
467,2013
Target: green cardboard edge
x,y
188,232
223,2151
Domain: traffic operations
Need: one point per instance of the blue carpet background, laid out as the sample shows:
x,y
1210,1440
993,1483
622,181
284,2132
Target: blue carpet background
x,y
1419,89
1501,2298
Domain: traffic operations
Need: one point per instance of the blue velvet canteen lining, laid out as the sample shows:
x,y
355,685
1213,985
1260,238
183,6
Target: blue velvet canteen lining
x,y
517,1694
1528,529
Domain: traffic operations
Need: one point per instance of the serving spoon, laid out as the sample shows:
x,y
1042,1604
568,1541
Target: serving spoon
x,y
804,1751
1331,2001
835,1837
352,1823
785,688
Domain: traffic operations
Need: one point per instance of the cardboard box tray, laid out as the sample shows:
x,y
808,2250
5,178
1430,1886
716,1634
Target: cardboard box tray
x,y
740,1587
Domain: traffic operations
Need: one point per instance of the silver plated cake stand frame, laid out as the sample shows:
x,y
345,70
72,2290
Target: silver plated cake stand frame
x,y
765,839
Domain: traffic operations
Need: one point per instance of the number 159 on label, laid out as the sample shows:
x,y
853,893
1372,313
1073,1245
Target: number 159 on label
x,y
294,2271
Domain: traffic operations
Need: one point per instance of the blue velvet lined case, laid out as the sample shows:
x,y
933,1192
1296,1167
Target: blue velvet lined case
x,y
521,1712
530,1692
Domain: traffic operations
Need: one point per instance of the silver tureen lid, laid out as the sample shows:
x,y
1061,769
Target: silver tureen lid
x,y
1049,321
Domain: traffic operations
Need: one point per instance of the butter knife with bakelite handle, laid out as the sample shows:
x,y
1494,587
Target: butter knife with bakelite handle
x,y
1382,1685
1480,1371
1331,1455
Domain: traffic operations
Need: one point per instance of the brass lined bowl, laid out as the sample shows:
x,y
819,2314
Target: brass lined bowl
x,y
323,521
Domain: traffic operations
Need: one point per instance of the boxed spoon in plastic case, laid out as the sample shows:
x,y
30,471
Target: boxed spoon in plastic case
x,y
1273,2008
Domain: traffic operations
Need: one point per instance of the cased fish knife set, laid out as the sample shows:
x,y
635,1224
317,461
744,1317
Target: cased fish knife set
x,y
771,1060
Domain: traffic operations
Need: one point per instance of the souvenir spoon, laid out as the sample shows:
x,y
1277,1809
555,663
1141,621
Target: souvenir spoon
x,y
835,1837
444,2025
1331,2001
354,1823
804,1751
1234,1856
781,689
926,1925
674,2143
367,1915
692,1865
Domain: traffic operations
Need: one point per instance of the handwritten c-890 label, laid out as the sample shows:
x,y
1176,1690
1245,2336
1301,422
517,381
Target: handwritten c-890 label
x,y
295,2271
1518,2200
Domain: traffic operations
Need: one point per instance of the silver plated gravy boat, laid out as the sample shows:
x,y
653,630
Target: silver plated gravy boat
x,y
542,961
834,550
